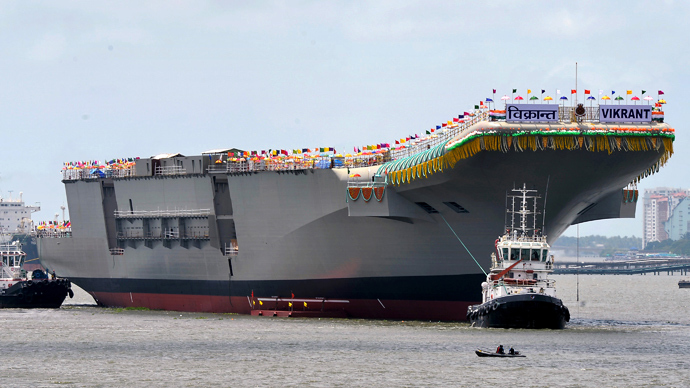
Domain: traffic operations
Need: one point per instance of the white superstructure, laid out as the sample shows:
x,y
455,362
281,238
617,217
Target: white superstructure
x,y
523,262
15,215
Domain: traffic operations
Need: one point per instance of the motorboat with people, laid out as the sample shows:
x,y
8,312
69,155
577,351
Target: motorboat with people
x,y
517,292
17,290
499,353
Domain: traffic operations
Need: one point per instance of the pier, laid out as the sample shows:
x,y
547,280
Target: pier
x,y
626,267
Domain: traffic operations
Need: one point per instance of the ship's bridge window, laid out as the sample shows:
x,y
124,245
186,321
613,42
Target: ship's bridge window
x,y
535,254
524,254
505,254
514,253
544,254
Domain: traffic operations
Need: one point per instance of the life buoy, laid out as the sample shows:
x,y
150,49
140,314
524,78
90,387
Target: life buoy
x,y
494,307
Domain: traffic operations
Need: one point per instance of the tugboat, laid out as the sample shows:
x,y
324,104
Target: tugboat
x,y
517,293
684,283
17,291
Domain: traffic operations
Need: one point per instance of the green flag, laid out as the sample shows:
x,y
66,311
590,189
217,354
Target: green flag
x,y
476,107
514,90
644,91
428,133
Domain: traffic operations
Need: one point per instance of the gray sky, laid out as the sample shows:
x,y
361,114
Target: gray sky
x,y
101,80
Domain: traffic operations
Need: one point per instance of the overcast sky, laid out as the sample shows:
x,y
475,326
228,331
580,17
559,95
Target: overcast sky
x,y
101,80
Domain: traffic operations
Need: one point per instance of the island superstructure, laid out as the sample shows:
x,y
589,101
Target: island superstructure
x,y
393,231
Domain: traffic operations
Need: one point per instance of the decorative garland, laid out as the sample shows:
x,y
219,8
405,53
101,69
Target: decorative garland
x,y
595,140
378,192
630,196
366,193
353,193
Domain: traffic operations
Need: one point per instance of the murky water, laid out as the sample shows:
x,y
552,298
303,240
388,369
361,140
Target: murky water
x,y
627,331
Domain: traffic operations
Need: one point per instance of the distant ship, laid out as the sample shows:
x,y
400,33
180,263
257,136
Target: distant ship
x,y
399,231
518,293
16,225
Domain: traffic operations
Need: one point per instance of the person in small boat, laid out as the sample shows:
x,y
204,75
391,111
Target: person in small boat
x,y
511,351
500,350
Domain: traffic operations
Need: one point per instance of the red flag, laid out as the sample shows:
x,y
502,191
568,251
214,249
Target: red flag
x,y
397,142
293,295
444,124
586,91
455,120
573,91
661,92
252,294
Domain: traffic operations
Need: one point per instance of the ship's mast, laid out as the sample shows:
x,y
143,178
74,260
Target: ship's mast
x,y
525,208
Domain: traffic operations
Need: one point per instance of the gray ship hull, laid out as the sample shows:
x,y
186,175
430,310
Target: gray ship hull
x,y
301,240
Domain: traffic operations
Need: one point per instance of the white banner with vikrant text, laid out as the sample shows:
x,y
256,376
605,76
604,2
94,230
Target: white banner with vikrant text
x,y
531,112
625,113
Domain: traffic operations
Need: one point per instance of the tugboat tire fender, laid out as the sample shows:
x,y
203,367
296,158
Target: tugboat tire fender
x,y
29,282
71,293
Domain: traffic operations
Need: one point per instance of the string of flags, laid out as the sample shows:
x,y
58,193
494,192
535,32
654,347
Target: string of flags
x,y
43,225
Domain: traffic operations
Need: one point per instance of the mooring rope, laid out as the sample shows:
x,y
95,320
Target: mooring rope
x,y
463,244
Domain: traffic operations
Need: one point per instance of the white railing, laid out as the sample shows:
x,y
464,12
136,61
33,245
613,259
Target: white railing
x,y
170,170
176,213
442,136
54,233
174,235
86,173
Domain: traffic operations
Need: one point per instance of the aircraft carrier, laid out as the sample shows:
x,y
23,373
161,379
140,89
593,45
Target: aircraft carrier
x,y
402,232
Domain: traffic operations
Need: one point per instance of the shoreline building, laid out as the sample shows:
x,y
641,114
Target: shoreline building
x,y
658,206
678,224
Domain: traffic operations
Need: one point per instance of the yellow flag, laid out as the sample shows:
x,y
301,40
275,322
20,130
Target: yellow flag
x,y
629,92
254,302
289,304
305,304
261,303
529,91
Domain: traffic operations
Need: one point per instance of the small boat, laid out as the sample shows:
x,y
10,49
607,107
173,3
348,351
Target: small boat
x,y
18,291
685,283
484,353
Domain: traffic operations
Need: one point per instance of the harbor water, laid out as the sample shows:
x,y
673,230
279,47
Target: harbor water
x,y
626,331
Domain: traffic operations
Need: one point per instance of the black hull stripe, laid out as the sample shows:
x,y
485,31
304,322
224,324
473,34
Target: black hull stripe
x,y
436,288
